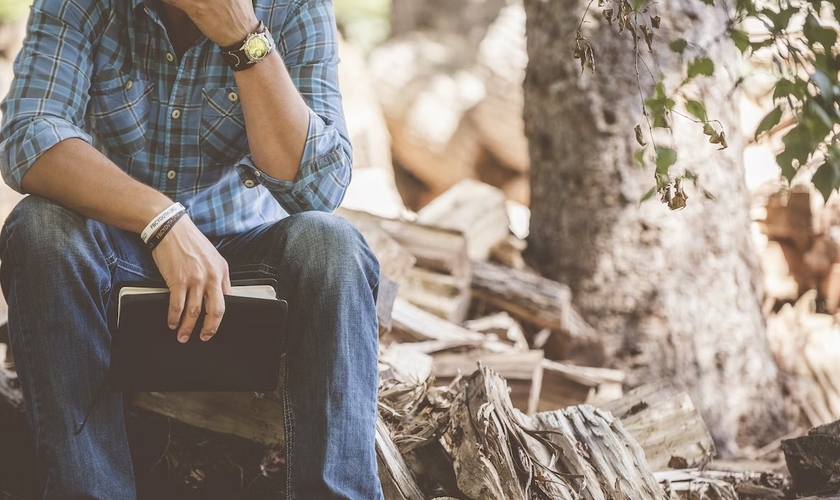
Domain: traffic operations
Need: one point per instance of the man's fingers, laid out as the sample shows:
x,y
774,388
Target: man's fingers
x,y
176,307
192,311
214,302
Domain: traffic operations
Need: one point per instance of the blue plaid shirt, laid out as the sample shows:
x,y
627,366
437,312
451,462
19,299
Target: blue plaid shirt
x,y
103,71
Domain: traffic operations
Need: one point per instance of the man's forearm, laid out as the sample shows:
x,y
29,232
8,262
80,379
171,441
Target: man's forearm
x,y
79,177
276,117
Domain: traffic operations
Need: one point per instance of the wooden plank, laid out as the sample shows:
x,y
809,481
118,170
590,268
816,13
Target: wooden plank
x,y
666,424
412,324
236,413
523,372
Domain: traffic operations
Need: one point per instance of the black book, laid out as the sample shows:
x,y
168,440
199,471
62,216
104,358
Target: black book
x,y
243,355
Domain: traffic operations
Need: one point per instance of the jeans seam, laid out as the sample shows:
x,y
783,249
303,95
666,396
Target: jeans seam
x,y
288,424
131,268
30,399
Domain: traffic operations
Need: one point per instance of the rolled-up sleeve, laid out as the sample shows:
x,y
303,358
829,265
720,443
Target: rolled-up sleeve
x,y
49,94
310,48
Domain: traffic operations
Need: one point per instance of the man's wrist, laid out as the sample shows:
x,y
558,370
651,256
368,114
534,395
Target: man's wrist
x,y
237,35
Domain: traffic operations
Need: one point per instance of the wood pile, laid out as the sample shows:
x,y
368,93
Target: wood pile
x,y
455,111
801,263
500,405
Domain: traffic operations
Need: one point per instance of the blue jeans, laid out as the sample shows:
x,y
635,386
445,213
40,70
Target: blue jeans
x,y
58,271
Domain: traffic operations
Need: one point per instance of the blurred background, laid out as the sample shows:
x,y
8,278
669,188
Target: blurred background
x,y
479,103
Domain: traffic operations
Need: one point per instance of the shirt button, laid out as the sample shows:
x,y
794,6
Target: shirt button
x,y
128,85
233,97
170,57
170,175
257,173
249,183
176,113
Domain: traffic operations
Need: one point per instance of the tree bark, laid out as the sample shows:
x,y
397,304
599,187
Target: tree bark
x,y
676,295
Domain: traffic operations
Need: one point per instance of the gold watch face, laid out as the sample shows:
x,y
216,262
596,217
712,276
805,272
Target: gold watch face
x,y
257,47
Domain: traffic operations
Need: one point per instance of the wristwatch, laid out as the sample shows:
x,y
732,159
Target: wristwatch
x,y
245,54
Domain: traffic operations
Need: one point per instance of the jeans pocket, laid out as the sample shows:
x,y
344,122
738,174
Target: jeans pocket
x,y
120,110
222,138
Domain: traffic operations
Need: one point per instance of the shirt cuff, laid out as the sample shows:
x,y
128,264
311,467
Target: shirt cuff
x,y
321,180
21,150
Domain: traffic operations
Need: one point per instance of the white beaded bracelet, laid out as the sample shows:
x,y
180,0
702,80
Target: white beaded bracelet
x,y
161,218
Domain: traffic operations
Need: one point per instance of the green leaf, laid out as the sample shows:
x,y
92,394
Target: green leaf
x,y
678,46
740,39
815,32
665,157
824,83
798,89
701,66
708,2
745,7
816,119
779,20
827,178
697,109
639,156
798,147
648,195
768,122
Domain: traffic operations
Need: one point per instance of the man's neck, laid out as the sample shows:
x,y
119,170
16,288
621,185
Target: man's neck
x,y
182,31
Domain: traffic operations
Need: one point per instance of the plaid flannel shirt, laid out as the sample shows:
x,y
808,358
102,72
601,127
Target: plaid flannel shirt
x,y
104,71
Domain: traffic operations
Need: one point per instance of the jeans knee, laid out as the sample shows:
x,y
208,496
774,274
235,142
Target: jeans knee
x,y
333,246
41,228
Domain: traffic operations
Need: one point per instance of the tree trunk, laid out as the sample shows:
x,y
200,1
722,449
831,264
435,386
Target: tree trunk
x,y
675,295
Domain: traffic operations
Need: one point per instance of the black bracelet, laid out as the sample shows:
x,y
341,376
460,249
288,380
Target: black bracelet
x,y
156,238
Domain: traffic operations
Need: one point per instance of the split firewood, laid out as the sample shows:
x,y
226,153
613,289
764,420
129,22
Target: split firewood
x,y
666,425
502,61
567,385
394,262
436,249
790,217
541,302
426,107
396,478
523,372
9,384
691,484
412,324
597,447
580,452
805,345
813,460
490,454
503,326
508,252
441,294
475,209
372,187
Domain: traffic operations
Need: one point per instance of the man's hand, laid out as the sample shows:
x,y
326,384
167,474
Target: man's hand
x,y
196,274
225,22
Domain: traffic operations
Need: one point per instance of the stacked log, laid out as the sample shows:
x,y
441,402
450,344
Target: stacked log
x,y
455,111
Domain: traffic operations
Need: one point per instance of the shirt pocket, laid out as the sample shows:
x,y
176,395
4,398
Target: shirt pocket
x,y
222,138
120,111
